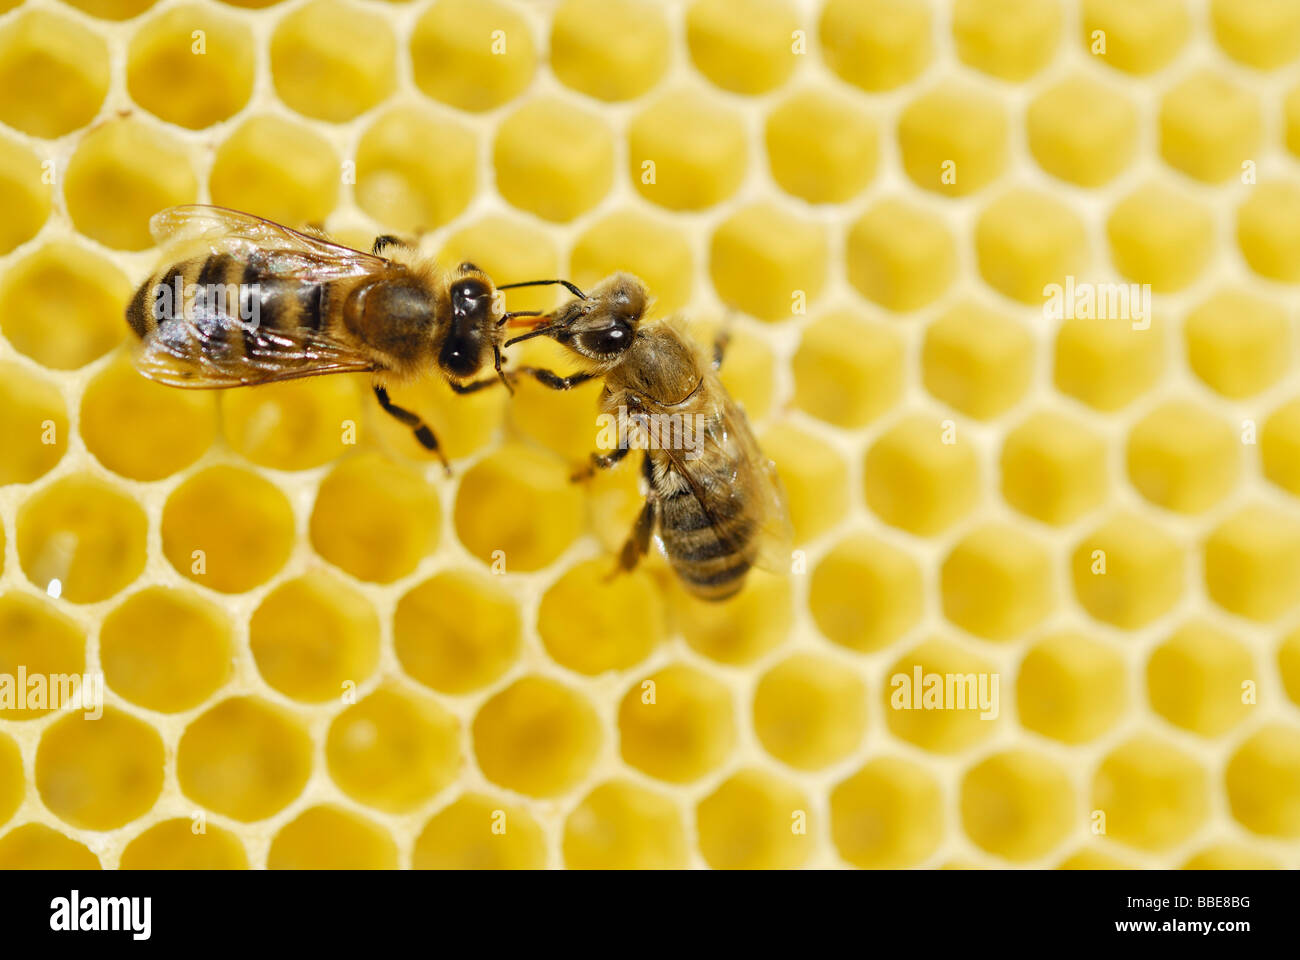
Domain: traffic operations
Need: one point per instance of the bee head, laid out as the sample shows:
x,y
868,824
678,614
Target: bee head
x,y
472,324
601,326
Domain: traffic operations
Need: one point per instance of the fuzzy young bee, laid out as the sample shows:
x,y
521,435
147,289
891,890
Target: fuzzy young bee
x,y
257,302
714,497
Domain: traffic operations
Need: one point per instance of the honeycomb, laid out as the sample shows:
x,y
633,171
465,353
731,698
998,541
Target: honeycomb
x,y
319,651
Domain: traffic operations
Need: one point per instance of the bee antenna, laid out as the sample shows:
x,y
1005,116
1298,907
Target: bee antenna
x,y
546,283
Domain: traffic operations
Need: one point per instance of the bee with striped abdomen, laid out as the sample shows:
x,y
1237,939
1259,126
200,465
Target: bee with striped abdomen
x,y
714,497
255,302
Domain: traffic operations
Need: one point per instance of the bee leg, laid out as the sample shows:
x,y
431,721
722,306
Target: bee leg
x,y
412,420
720,343
384,242
496,363
554,380
638,541
474,386
599,461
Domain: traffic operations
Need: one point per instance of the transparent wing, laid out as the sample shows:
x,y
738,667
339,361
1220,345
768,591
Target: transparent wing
x,y
731,465
278,250
216,351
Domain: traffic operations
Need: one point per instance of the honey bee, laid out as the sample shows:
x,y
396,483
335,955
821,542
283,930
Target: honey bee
x,y
258,302
715,499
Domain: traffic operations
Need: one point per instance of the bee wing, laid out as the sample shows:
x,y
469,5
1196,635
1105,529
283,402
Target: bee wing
x,y
283,252
216,351
744,471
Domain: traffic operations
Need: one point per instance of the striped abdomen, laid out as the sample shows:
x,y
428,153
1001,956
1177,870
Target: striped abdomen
x,y
228,300
710,549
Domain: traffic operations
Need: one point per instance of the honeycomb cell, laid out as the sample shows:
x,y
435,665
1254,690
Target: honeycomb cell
x,y
1182,457
1082,131
457,632
848,369
333,61
34,846
114,9
472,54
12,779
686,151
415,170
33,425
751,623
815,478
165,649
1159,235
900,256
463,424
977,360
1009,40
917,479
748,368
478,832
1252,563
537,737
244,758
865,594
609,49
1209,126
545,515
62,305
1108,362
997,582
876,44
1259,33
1238,343
191,67
767,262
99,772
54,73
745,46
1152,794
584,624
1279,446
121,174
314,638
169,429
887,816
36,637
1138,38
1195,679
1263,782
1026,240
652,248
281,168
754,821
1128,571
393,750
1017,804
1071,688
1053,468
81,538
622,826
294,425
227,528
1230,856
328,837
953,140
820,146
809,711
564,421
941,698
1288,661
375,518
1267,232
677,724
1291,120
553,160
184,844
23,193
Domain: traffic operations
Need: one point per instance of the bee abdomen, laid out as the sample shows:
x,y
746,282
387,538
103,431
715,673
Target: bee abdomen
x,y
711,551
